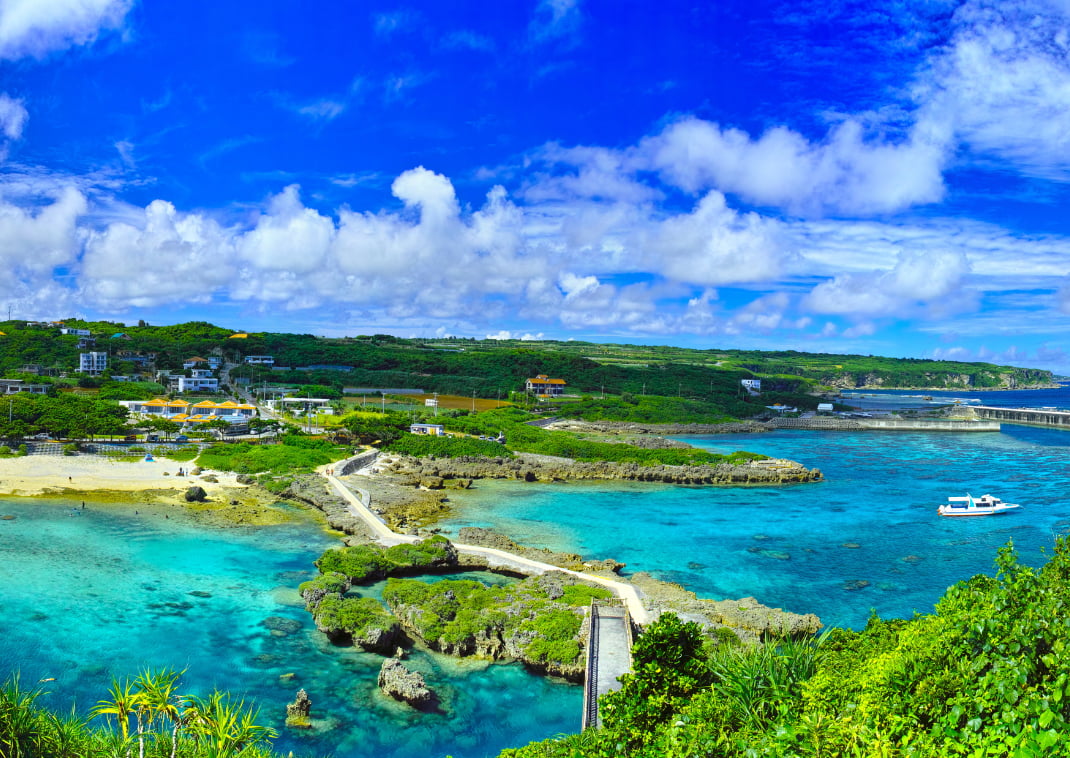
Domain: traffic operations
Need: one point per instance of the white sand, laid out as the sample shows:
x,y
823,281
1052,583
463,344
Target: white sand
x,y
41,474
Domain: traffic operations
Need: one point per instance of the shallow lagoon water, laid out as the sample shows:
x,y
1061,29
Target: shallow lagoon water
x,y
866,538
90,594
87,595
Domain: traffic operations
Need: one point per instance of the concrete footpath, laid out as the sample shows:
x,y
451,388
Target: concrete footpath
x,y
358,506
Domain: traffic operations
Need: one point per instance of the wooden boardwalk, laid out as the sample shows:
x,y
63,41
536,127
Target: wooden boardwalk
x,y
609,654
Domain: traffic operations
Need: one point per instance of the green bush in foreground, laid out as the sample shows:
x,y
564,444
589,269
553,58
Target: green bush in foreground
x,y
987,675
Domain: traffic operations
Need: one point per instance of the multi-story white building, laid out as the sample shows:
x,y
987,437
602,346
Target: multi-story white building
x,y
260,360
93,363
200,381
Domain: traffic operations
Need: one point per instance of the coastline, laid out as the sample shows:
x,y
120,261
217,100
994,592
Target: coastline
x,y
154,486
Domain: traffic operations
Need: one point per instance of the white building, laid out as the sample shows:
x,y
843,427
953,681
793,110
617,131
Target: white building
x,y
93,363
78,332
753,386
200,381
434,430
260,360
824,407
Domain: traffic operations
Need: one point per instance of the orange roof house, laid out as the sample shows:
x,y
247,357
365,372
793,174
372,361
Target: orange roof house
x,y
544,386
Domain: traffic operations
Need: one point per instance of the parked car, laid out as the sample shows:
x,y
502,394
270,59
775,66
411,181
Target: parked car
x,y
130,438
181,438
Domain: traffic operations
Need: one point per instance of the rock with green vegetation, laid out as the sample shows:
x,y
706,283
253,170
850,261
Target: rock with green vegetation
x,y
539,621
370,563
362,621
313,591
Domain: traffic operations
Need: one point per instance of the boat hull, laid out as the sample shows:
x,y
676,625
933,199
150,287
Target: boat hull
x,y
946,510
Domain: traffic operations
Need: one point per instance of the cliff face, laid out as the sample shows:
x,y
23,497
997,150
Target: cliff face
x,y
992,379
533,468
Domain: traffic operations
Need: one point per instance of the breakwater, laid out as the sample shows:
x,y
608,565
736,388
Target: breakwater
x,y
829,423
1028,416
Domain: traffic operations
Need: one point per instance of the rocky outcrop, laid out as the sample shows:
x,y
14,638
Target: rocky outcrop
x,y
196,494
473,535
400,683
632,427
312,489
299,712
746,619
530,468
540,621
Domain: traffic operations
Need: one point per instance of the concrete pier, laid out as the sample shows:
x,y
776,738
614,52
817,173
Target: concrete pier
x,y
887,424
1027,416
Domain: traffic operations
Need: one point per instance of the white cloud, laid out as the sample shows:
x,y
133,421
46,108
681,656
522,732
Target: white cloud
x,y
166,258
1002,85
36,28
13,116
933,280
37,242
846,173
713,245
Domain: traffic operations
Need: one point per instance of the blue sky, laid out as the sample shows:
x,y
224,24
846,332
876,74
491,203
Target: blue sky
x,y
887,178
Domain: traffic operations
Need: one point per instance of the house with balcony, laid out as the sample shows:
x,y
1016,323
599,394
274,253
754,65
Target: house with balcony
x,y
93,363
544,386
199,380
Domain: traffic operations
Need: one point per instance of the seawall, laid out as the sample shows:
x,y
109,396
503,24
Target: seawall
x,y
886,424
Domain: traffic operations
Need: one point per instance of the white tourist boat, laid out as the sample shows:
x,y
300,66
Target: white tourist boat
x,y
986,505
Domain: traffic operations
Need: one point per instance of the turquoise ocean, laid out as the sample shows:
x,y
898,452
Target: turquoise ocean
x,y
86,595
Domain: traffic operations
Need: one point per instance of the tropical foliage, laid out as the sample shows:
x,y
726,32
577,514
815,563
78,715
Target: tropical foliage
x,y
66,415
147,715
986,675
295,455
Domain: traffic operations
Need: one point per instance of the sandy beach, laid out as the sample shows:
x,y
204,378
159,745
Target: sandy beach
x,y
42,475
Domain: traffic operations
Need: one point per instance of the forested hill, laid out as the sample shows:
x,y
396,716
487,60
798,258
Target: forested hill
x,y
489,367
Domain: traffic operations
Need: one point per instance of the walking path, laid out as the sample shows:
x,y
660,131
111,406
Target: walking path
x,y
358,506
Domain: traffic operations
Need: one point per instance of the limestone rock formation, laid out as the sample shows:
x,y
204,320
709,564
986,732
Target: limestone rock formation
x,y
196,494
400,683
298,713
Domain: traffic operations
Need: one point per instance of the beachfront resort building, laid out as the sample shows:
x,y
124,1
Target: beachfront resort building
x,y
190,415
544,386
93,363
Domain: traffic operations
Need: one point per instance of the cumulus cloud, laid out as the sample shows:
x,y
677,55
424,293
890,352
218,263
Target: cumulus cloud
x,y
916,280
714,245
35,28
36,241
160,257
845,173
